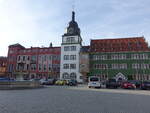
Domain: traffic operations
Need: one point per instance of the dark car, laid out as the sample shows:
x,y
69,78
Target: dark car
x,y
145,85
72,82
112,83
128,85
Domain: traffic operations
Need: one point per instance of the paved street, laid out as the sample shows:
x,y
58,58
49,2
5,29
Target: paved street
x,y
63,99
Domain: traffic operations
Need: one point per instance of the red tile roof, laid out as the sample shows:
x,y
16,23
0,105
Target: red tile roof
x,y
119,44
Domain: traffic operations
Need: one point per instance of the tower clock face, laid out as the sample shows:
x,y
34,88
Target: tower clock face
x,y
70,30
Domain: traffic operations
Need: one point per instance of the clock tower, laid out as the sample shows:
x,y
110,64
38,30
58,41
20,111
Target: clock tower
x,y
70,48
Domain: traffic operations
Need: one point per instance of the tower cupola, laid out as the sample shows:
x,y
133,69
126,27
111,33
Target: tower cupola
x,y
73,28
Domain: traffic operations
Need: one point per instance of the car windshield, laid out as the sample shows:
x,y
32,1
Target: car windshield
x,y
94,79
147,82
133,82
112,80
72,80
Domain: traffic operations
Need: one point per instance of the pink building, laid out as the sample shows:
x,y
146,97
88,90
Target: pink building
x,y
34,62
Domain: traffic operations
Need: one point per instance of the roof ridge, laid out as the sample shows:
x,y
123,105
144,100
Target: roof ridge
x,y
120,38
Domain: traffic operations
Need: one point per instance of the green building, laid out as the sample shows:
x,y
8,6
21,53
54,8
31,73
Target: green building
x,y
123,58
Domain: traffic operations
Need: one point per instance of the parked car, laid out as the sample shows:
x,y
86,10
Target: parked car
x,y
128,85
145,85
72,82
6,79
61,82
51,81
43,81
112,83
94,82
136,82
47,81
34,79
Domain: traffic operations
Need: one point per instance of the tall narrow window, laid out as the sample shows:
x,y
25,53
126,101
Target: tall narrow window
x,y
50,67
24,58
40,67
73,48
44,67
72,57
72,66
27,66
18,58
28,57
66,66
66,57
66,48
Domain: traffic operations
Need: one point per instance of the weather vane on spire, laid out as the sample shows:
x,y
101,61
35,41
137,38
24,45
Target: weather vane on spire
x,y
73,6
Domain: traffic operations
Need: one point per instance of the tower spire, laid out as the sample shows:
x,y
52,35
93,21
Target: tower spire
x,y
73,12
73,16
73,28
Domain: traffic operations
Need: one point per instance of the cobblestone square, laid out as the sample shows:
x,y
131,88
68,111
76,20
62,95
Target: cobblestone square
x,y
63,99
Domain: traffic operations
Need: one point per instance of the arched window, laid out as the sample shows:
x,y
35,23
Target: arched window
x,y
65,76
73,76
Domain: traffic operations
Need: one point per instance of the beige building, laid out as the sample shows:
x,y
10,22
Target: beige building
x,y
84,62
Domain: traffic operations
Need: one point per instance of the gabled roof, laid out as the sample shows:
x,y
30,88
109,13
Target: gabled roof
x,y
129,39
119,44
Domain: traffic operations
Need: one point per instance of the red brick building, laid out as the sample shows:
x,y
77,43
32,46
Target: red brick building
x,y
3,66
34,62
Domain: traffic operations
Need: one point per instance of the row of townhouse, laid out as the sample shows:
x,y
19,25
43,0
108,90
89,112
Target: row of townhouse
x,y
36,62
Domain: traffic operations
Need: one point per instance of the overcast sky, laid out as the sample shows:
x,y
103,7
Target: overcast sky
x,y
39,22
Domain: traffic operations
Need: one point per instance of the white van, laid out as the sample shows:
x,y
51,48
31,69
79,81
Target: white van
x,y
94,82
